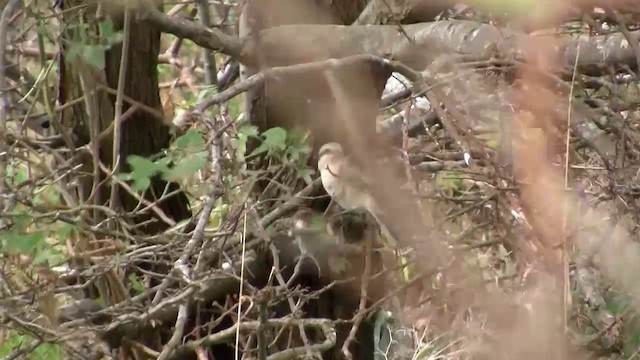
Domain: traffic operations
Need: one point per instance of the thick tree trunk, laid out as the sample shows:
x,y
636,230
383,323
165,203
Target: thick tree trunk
x,y
143,133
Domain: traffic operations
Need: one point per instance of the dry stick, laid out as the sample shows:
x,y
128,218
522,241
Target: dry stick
x,y
151,205
259,78
117,118
278,275
291,204
362,308
4,98
182,268
566,288
223,336
241,285
292,305
209,38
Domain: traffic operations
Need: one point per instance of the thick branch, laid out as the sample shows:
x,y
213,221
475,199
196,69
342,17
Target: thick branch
x,y
213,39
284,45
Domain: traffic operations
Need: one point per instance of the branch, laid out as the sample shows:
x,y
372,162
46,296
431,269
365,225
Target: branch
x,y
324,325
259,78
213,39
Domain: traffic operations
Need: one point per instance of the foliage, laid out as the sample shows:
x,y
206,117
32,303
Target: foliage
x,y
90,45
186,156
26,234
15,341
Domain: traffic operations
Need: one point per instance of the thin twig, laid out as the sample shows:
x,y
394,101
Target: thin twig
x,y
259,78
240,288
566,288
117,117
362,307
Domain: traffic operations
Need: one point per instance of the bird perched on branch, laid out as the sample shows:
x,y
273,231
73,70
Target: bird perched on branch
x,y
310,238
347,185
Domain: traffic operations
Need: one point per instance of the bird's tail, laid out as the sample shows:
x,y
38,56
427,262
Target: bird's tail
x,y
387,229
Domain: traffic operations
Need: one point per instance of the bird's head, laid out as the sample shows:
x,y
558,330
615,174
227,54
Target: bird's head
x,y
327,152
302,218
332,148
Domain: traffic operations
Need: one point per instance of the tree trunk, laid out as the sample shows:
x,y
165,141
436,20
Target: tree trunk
x,y
142,133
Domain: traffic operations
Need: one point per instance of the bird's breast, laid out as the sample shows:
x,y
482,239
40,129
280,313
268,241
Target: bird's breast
x,y
332,184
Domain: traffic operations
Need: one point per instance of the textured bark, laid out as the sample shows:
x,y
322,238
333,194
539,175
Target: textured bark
x,y
142,134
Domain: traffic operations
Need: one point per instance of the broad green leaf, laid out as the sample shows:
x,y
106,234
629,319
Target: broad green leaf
x,y
141,183
163,164
142,170
275,138
191,138
298,137
186,167
94,56
50,256
108,35
64,230
23,243
248,131
260,149
106,28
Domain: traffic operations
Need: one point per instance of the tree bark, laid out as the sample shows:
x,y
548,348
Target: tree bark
x,y
143,133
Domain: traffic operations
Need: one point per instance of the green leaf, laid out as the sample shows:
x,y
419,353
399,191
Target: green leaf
x,y
65,230
186,167
305,174
18,174
75,49
298,137
191,138
106,28
163,164
141,183
142,171
94,56
23,243
616,304
143,166
50,256
275,138
136,284
108,35
260,149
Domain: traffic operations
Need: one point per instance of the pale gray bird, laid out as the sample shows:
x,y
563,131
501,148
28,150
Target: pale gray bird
x,y
347,186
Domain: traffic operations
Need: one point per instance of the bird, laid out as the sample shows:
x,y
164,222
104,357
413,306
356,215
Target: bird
x,y
348,187
310,238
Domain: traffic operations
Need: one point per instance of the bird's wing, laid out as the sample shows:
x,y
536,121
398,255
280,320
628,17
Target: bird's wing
x,y
352,174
